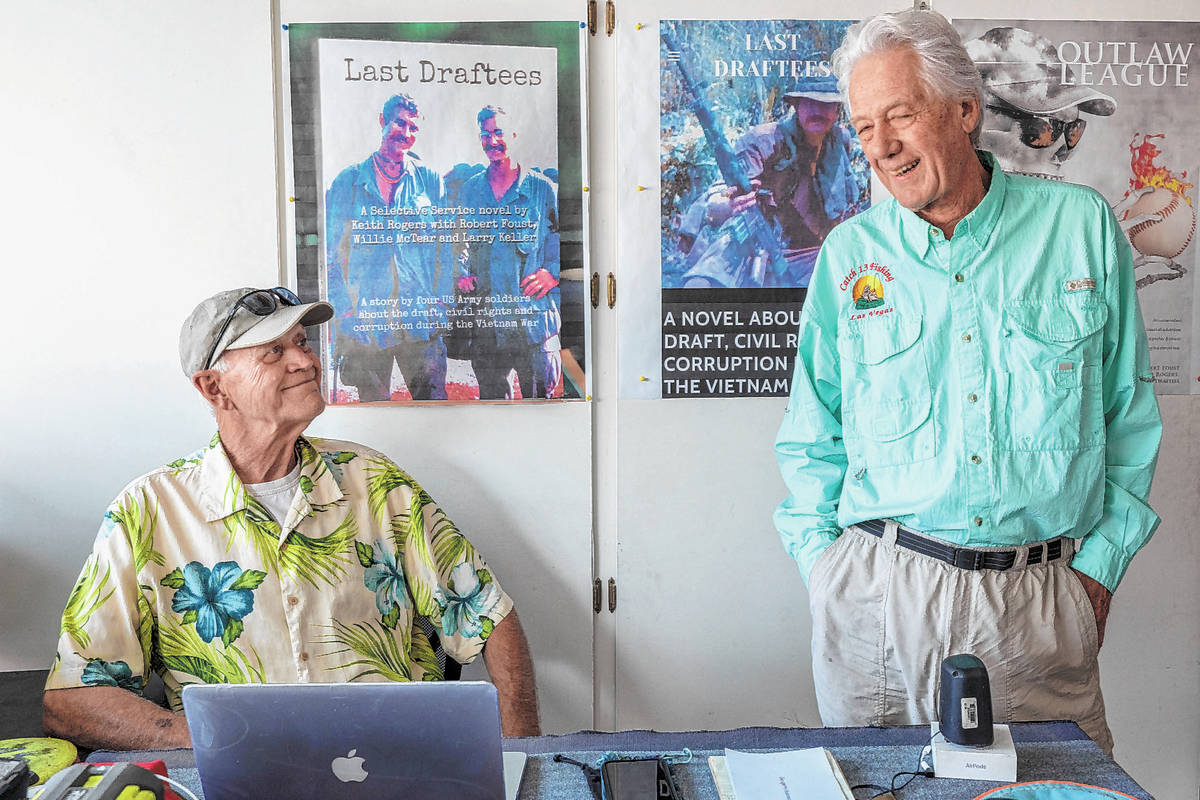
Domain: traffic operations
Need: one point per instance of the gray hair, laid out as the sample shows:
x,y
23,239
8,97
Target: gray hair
x,y
946,68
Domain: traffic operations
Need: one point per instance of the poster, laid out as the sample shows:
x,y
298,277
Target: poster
x,y
445,165
758,163
1115,106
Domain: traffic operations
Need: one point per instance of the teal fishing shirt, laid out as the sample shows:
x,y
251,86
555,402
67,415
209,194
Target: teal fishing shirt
x,y
993,389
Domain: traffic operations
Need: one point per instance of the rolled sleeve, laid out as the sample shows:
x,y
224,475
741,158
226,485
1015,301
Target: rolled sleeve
x,y
99,643
450,582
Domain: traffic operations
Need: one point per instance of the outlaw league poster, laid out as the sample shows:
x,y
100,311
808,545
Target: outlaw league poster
x,y
758,163
449,227
1115,106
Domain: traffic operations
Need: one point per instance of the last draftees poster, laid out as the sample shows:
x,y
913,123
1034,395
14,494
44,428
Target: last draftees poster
x,y
442,243
1115,106
758,164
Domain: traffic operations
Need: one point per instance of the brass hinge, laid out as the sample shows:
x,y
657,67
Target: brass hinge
x,y
610,17
596,596
612,595
595,290
591,17
612,290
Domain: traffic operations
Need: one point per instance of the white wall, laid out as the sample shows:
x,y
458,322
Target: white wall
x,y
138,154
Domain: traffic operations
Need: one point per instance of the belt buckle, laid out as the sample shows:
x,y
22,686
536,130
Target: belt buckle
x,y
973,559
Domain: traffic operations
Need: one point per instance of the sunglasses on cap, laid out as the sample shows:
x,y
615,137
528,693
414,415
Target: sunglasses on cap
x,y
260,303
1039,132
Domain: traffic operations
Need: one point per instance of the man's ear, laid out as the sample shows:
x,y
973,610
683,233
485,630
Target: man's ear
x,y
970,114
208,383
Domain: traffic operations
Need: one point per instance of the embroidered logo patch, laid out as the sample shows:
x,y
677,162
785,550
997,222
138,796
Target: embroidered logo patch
x,y
866,283
867,292
1079,284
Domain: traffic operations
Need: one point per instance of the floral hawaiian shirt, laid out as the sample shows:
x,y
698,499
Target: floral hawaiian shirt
x,y
191,578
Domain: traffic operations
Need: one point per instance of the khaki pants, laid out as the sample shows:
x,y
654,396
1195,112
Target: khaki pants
x,y
884,617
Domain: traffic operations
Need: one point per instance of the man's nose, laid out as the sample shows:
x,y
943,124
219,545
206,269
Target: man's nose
x,y
299,358
882,145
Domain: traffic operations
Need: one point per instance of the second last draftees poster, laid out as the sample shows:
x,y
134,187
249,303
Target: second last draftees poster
x,y
446,164
1115,106
759,163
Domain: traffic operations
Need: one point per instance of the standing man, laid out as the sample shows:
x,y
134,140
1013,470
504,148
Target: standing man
x,y
385,283
271,557
972,427
800,164
512,267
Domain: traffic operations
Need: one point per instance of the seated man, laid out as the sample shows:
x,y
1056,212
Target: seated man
x,y
270,557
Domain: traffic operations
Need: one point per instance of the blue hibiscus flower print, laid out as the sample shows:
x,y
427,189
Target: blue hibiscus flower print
x,y
385,577
334,462
215,600
107,525
99,672
468,602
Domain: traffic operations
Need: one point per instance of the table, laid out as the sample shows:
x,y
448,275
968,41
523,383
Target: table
x,y
1045,751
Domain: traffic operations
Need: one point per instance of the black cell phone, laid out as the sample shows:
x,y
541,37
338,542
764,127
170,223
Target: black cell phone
x,y
640,779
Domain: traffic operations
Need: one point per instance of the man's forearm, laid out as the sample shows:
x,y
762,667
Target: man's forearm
x,y
106,717
511,670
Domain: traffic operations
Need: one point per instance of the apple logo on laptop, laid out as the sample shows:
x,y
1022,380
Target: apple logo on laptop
x,y
349,768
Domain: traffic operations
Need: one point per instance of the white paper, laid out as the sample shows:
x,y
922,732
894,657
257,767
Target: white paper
x,y
789,775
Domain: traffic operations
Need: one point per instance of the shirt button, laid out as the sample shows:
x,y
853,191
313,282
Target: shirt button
x,y
978,521
958,278
304,656
966,337
976,460
972,398
292,600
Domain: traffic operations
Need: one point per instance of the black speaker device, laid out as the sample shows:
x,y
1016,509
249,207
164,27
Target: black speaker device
x,y
965,701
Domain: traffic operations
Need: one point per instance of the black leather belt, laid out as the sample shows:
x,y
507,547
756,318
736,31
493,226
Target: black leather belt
x,y
966,557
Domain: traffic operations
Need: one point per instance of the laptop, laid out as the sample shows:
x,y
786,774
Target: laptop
x,y
350,740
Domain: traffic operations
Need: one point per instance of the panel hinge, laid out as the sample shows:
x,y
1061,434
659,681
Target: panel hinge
x,y
596,596
612,290
612,595
591,17
595,290
610,17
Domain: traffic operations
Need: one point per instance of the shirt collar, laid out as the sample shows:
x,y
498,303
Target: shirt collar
x,y
976,226
222,492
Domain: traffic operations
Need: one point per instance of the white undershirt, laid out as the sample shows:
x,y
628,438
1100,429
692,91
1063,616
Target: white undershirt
x,y
277,495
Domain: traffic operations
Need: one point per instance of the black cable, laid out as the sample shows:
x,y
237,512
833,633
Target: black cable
x,y
882,790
